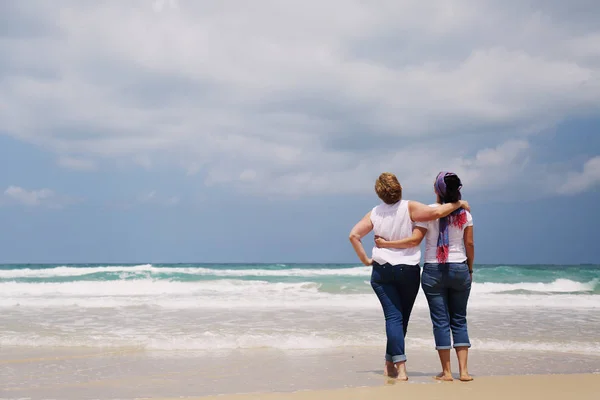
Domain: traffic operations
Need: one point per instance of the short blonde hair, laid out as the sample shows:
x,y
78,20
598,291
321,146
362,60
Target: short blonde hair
x,y
388,188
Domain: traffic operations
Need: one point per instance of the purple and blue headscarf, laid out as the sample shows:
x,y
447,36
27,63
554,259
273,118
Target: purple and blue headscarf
x,y
457,218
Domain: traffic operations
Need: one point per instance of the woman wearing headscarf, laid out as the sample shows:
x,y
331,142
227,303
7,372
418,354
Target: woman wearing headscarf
x,y
395,276
447,273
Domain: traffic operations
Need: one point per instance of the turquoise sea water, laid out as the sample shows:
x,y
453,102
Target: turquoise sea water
x,y
286,306
334,278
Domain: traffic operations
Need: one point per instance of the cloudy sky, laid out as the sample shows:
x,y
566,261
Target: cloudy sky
x,y
233,131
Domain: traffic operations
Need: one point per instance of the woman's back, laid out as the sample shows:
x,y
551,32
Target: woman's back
x,y
456,246
392,222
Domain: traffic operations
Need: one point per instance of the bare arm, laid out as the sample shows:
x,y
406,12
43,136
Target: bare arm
x,y
360,230
413,241
469,247
419,212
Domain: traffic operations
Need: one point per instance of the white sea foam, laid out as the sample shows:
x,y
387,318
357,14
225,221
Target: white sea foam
x,y
288,341
147,271
263,295
151,287
558,286
69,271
66,271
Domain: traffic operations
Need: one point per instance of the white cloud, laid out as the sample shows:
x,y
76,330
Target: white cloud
x,y
160,5
29,198
285,98
495,167
588,178
80,164
153,197
147,197
35,198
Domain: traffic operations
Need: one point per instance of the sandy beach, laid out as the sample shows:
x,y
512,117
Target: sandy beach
x,y
531,387
353,373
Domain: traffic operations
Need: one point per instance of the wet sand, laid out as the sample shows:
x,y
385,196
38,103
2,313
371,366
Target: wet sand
x,y
531,387
130,373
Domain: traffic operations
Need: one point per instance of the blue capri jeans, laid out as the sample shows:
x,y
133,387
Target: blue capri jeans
x,y
397,287
447,288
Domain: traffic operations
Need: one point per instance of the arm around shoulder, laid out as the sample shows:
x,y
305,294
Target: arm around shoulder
x,y
419,212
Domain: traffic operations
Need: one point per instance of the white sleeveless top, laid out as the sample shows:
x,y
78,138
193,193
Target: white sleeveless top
x,y
392,222
456,247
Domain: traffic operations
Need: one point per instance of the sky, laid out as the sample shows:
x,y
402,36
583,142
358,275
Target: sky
x,y
228,131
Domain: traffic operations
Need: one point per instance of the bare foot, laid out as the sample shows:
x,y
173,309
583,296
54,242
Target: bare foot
x,y
444,377
390,370
466,378
401,367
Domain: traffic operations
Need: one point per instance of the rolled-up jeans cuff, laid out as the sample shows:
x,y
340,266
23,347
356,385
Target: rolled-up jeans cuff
x,y
462,345
395,359
443,347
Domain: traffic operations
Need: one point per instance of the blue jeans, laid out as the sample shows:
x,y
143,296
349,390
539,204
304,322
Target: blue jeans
x,y
396,286
447,288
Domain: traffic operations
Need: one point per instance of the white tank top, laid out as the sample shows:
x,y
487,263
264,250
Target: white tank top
x,y
456,247
392,222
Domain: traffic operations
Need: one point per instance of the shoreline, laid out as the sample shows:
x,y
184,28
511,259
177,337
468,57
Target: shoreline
x,y
530,387
127,373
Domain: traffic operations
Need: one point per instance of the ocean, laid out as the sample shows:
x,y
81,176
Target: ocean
x,y
208,307
100,331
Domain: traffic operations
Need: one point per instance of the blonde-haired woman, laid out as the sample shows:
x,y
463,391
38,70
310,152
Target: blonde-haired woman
x,y
395,276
